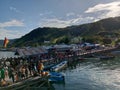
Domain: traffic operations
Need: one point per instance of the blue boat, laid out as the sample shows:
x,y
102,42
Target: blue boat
x,y
56,77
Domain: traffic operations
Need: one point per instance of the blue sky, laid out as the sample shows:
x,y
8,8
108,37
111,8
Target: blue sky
x,y
19,17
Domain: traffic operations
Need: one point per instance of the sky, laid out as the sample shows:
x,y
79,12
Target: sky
x,y
19,17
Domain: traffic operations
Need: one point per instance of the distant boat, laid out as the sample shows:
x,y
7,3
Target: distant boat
x,y
96,58
116,52
81,58
4,49
106,57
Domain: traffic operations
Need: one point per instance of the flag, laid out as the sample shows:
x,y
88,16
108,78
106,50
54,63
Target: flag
x,y
6,41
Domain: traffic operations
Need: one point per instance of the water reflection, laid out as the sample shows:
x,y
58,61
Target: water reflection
x,y
7,54
92,74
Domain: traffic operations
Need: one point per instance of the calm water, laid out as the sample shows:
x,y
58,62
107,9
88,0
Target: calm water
x,y
90,74
5,54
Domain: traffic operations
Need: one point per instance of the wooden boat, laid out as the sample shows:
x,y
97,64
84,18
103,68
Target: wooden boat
x,y
106,57
30,82
94,58
59,66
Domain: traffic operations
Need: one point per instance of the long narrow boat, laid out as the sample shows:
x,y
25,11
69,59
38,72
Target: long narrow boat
x,y
59,66
106,57
31,82
94,58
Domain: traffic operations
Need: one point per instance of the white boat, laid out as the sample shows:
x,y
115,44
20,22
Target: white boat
x,y
59,66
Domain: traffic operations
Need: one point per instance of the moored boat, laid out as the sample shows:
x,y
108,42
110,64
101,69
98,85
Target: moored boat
x,y
94,58
56,77
106,57
59,66
48,67
25,83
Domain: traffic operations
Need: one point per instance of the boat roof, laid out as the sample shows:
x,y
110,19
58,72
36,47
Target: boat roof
x,y
28,51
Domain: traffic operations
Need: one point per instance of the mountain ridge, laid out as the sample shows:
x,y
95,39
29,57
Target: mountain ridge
x,y
109,26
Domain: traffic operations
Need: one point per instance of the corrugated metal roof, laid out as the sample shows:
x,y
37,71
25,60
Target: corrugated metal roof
x,y
31,51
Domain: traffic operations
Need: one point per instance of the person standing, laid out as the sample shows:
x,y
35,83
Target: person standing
x,y
6,71
40,67
2,77
11,73
2,73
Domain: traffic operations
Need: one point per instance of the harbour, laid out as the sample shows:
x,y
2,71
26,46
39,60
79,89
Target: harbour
x,y
60,45
85,74
92,74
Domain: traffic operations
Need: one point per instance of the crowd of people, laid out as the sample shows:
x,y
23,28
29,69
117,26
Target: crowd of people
x,y
17,69
20,68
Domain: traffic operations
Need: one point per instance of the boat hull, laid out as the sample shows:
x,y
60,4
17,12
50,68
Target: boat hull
x,y
56,77
59,66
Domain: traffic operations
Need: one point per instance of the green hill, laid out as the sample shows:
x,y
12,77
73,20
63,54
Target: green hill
x,y
106,28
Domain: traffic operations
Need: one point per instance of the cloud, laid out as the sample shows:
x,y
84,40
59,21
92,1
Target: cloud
x,y
105,10
46,13
16,10
70,14
12,23
41,14
11,33
55,22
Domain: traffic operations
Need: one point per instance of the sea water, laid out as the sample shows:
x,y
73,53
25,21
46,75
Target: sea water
x,y
7,54
92,74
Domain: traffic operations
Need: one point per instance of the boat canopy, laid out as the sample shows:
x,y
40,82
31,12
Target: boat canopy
x,y
31,51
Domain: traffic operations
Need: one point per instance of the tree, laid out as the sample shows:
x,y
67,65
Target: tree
x,y
63,39
107,41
